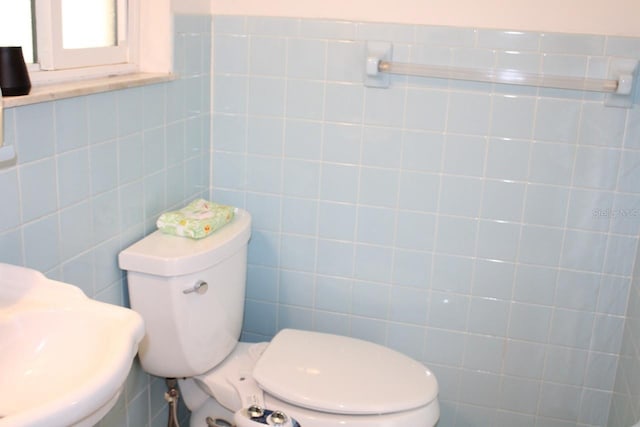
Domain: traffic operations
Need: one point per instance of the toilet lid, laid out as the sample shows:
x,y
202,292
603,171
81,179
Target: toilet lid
x,y
342,375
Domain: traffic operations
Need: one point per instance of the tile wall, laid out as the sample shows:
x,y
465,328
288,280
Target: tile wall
x,y
93,174
625,405
488,231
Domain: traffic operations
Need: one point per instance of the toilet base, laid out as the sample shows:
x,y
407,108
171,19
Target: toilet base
x,y
426,416
197,396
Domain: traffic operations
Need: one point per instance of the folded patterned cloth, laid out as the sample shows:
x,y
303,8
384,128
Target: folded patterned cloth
x,y
198,219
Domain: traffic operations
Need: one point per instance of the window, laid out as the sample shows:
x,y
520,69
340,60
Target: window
x,y
70,34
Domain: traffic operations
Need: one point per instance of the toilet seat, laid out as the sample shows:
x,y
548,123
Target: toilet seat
x,y
342,375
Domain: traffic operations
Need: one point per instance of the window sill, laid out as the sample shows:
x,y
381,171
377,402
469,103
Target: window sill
x,y
52,92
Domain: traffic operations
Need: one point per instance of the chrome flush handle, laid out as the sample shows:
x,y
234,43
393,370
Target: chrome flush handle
x,y
201,287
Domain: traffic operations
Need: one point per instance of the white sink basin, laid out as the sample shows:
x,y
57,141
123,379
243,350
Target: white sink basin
x,y
63,357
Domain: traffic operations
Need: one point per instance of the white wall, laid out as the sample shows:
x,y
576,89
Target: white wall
x,y
611,17
190,6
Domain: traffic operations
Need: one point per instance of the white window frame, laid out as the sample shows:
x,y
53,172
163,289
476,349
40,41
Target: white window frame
x,y
56,64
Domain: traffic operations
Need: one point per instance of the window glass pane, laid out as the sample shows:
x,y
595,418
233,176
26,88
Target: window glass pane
x,y
88,23
16,27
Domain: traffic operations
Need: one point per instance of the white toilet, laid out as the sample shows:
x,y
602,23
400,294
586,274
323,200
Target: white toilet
x,y
191,296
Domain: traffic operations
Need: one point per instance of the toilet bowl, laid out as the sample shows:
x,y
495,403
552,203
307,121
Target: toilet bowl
x,y
191,296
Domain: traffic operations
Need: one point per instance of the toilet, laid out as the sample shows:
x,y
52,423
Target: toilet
x,y
191,296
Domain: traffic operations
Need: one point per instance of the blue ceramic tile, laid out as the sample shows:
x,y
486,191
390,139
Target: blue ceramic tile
x,y
297,253
571,328
71,124
232,54
229,133
456,236
489,316
130,111
299,215
448,311
336,221
41,243
419,191
130,158
384,107
408,305
301,178
540,245
272,26
106,218
342,143
327,29
422,151
10,212
464,155
335,258
303,139
452,273
103,117
445,36
557,120
596,168
265,135
266,96
378,187
76,229
267,56
333,294
375,226
306,59
426,109
296,288
535,285
38,192
529,322
551,163
460,196
498,240
35,142
264,248
344,103
389,32
415,230
512,116
546,205
579,44
502,200
339,183
264,174
370,299
373,263
131,205
265,211
601,125
344,61
508,159
154,148
509,40
305,99
493,279
468,113
411,268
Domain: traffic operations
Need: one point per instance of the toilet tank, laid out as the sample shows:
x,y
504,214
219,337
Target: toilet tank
x,y
188,331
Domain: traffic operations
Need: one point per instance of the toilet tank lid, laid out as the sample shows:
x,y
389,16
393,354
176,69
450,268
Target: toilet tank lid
x,y
166,255
342,375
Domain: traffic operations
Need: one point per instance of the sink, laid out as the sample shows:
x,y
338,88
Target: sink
x,y
64,358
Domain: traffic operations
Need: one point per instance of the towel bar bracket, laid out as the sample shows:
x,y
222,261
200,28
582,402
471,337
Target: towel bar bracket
x,y
619,86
